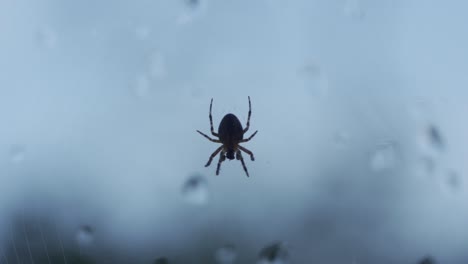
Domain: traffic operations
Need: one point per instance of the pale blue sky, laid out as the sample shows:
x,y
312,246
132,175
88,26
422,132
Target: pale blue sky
x,y
100,100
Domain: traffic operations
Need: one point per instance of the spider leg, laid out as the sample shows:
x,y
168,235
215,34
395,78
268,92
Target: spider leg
x,y
211,121
213,155
210,139
248,117
239,157
222,157
247,151
247,139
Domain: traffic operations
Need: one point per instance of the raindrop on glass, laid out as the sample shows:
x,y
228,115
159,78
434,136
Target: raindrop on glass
x,y
226,255
453,180
142,32
275,253
426,166
384,157
315,79
421,110
142,86
341,138
195,190
161,261
192,9
193,3
427,260
431,140
47,38
157,65
435,138
85,236
17,153
311,70
353,9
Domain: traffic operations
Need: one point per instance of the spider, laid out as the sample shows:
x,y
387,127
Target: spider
x,y
230,134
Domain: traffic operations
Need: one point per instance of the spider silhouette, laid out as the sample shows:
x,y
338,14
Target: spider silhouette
x,y
230,134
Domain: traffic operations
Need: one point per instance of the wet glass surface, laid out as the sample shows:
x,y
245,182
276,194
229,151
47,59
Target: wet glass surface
x,y
360,155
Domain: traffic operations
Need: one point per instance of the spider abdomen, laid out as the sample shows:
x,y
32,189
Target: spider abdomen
x,y
230,130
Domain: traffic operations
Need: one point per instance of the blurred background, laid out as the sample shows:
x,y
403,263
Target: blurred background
x,y
360,155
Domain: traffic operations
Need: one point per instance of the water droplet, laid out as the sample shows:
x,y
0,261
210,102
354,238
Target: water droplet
x,y
431,140
421,110
17,153
353,9
157,65
384,157
193,3
275,253
435,138
341,138
84,236
142,86
195,190
161,261
226,255
311,70
193,9
453,180
427,260
426,166
315,79
47,38
142,32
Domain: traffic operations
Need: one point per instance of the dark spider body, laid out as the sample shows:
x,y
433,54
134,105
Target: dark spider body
x,y
230,134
